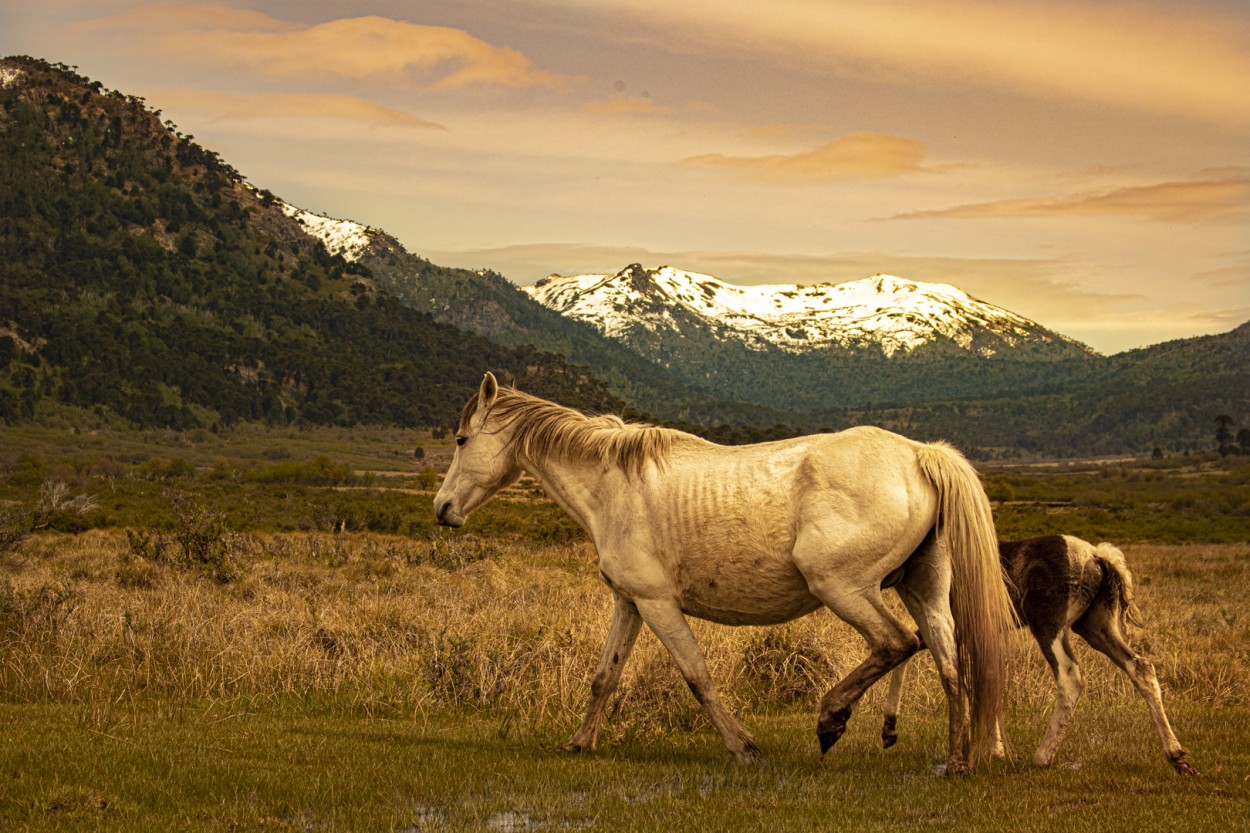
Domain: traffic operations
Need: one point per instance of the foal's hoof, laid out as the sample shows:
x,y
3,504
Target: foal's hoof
x,y
956,767
749,753
830,728
889,734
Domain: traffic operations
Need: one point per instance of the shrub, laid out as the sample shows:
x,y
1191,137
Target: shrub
x,y
427,479
317,471
160,468
782,668
55,509
198,540
14,529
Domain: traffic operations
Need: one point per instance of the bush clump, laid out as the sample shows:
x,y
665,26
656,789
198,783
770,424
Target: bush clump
x,y
198,540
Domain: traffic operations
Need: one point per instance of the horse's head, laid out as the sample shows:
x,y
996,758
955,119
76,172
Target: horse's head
x,y
483,463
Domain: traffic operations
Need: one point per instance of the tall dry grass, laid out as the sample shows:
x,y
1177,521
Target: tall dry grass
x,y
382,625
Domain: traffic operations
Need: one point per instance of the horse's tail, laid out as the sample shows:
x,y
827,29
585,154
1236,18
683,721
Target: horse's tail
x,y
1118,582
984,617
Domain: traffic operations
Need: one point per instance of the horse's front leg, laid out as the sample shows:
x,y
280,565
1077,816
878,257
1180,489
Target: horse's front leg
x,y
666,620
890,645
621,635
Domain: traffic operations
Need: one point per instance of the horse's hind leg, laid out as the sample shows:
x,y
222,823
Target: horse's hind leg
x,y
666,620
925,590
1100,627
621,635
1068,684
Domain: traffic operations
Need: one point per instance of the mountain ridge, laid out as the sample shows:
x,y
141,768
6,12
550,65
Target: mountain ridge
x,y
893,314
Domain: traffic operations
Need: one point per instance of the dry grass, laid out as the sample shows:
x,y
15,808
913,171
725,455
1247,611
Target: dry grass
x,y
390,626
366,682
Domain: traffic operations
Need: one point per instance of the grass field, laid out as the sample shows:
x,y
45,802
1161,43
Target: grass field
x,y
204,652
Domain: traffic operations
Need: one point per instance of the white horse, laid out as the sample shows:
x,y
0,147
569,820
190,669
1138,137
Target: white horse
x,y
1060,584
761,534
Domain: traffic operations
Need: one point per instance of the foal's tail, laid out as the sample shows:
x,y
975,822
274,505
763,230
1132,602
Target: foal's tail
x,y
1118,582
984,617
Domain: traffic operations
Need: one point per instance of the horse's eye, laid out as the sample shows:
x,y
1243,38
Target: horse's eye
x,y
461,440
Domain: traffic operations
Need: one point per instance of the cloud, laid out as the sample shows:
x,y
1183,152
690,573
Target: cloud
x,y
1235,275
1214,200
1172,59
786,132
855,156
621,103
265,106
359,49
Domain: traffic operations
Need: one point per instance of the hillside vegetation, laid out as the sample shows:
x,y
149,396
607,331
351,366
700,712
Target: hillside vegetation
x,y
143,278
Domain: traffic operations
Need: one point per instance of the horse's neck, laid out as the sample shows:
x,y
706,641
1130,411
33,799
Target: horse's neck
x,y
578,486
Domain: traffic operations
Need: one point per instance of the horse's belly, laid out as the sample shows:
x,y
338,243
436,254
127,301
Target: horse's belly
x,y
743,591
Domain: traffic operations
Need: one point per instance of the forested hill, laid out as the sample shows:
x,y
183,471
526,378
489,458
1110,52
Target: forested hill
x,y
142,276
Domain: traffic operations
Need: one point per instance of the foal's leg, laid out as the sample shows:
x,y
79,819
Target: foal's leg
x,y
1068,683
666,620
621,635
1100,627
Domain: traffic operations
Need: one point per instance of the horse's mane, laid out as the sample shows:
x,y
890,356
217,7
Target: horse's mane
x,y
542,429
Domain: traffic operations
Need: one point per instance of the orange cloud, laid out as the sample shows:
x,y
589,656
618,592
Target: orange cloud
x,y
855,156
271,105
1216,200
361,49
1174,59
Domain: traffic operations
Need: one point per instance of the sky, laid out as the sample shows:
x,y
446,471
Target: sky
x,y
1085,164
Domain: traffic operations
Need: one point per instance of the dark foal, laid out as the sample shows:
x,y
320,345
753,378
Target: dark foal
x,y
1060,584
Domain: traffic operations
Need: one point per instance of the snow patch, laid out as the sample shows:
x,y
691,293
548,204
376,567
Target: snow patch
x,y
341,237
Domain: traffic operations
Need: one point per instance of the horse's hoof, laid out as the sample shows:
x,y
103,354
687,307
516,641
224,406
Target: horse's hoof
x,y
830,728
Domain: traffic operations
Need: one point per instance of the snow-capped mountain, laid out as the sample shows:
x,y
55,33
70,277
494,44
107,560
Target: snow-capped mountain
x,y
883,311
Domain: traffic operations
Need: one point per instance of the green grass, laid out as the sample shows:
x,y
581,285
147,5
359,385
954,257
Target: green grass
x,y
1178,499
297,769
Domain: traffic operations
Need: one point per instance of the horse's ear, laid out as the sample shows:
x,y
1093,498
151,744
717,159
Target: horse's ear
x,y
490,390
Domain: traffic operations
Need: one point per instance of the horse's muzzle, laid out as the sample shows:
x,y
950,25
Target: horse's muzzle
x,y
447,516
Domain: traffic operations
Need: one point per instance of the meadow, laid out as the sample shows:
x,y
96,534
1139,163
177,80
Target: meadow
x,y
265,630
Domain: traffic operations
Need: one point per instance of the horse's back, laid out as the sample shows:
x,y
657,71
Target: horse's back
x,y
740,531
